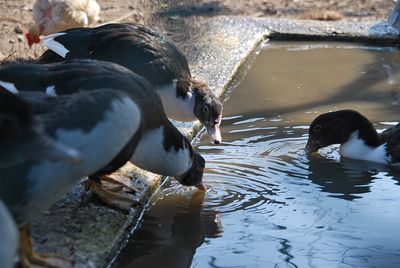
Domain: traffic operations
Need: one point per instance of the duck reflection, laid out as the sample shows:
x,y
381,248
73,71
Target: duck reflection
x,y
171,232
347,179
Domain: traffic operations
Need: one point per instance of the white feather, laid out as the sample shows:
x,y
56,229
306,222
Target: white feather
x,y
151,155
9,238
175,107
52,180
51,91
9,86
53,45
355,148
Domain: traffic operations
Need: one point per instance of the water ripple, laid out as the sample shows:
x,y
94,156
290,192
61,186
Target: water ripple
x,y
238,182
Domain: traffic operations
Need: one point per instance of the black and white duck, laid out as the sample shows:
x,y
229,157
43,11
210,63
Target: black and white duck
x,y
22,140
356,135
83,121
156,145
149,54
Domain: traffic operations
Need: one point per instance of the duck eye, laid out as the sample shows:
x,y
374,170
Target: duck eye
x,y
317,128
206,109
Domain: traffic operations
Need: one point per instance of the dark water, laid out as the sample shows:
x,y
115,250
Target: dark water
x,y
270,205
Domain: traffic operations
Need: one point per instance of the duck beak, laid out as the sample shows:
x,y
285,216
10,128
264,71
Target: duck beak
x,y
194,176
214,131
312,146
45,148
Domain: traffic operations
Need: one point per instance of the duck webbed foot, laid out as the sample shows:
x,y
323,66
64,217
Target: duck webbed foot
x,y
28,258
113,191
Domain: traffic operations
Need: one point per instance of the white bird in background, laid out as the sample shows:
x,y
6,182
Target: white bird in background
x,y
53,16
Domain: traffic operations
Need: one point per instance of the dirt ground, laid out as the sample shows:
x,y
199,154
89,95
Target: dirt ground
x,y
15,15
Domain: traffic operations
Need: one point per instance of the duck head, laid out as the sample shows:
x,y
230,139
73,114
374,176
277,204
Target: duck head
x,y
208,109
21,138
194,176
337,127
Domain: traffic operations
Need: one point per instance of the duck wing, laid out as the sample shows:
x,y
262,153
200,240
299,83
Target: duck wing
x,y
73,76
85,114
136,47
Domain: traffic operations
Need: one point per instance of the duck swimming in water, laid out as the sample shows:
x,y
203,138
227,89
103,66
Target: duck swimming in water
x,y
356,135
152,56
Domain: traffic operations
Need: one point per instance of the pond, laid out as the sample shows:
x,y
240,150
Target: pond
x,y
268,203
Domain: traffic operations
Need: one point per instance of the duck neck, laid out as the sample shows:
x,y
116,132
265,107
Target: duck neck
x,y
178,104
369,135
163,150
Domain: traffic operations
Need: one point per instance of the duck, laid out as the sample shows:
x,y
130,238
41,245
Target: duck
x,y
13,120
158,146
356,135
9,238
22,140
51,16
152,56
37,181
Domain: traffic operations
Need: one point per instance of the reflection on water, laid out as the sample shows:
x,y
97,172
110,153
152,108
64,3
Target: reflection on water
x,y
269,204
173,229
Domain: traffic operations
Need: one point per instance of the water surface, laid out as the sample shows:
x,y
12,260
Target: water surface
x,y
270,205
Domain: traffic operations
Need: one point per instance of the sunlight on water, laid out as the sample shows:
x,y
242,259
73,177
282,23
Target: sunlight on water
x,y
268,204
